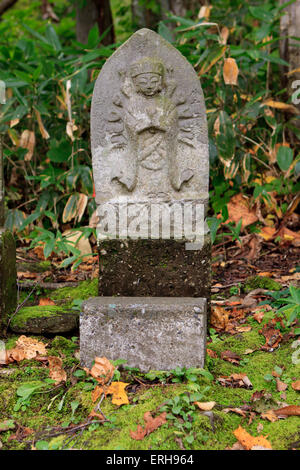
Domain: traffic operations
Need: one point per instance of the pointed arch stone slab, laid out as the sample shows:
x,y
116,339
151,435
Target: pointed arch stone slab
x,y
149,144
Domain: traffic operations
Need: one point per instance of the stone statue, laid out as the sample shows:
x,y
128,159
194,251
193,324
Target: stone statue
x,y
149,136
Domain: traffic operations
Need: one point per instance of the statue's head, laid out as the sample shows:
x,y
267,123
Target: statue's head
x,y
147,75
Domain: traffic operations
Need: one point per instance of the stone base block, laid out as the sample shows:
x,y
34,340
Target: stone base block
x,y
154,268
158,333
8,278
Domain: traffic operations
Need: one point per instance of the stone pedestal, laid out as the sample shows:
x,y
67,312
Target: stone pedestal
x,y
8,276
158,333
158,268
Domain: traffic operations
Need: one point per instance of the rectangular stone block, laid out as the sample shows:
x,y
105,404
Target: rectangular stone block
x,y
8,276
158,333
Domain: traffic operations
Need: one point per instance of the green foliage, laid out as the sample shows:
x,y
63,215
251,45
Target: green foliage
x,y
50,79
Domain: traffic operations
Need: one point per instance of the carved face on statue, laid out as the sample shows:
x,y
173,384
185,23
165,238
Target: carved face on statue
x,y
148,83
147,75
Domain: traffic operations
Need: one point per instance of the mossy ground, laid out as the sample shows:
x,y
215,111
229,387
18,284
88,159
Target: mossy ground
x,y
43,410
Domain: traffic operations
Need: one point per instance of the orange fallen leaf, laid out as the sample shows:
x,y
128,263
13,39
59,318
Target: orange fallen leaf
x,y
248,441
239,208
103,370
258,316
280,105
46,301
117,390
219,318
292,410
56,372
296,385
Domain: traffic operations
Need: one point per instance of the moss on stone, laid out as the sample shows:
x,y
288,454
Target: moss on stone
x,y
41,319
261,282
83,291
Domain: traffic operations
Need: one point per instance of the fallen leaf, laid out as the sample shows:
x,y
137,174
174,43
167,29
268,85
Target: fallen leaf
x,y
292,410
102,370
259,316
117,390
94,414
151,425
296,385
219,318
212,353
235,410
230,357
205,406
270,416
281,386
239,208
235,381
56,372
26,348
248,441
46,301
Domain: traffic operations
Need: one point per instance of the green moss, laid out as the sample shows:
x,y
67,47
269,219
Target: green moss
x,y
83,291
261,282
36,312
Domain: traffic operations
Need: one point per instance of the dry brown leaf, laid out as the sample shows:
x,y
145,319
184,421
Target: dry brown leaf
x,y
230,357
42,129
268,233
270,416
224,35
212,353
288,235
292,410
27,141
230,71
205,406
235,410
235,381
238,208
56,372
80,243
258,316
151,425
272,335
243,329
248,441
296,385
94,414
103,370
219,318
281,386
26,348
46,301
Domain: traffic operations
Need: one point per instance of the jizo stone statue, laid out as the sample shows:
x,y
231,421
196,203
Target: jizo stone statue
x,y
151,168
149,135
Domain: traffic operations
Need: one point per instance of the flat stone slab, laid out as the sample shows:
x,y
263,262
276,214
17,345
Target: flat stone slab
x,y
48,319
158,333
